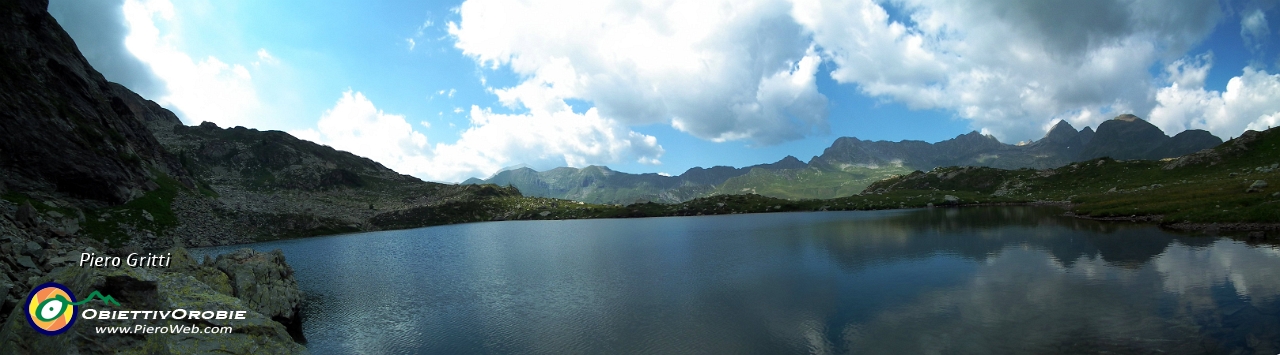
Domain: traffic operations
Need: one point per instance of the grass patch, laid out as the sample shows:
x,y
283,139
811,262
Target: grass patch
x,y
107,224
40,207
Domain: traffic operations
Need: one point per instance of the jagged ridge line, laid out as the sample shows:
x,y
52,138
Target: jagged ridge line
x,y
105,299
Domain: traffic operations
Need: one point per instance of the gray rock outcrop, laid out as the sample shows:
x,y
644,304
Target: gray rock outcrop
x,y
265,282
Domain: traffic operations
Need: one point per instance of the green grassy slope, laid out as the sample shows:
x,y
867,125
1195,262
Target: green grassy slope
x,y
807,183
1210,186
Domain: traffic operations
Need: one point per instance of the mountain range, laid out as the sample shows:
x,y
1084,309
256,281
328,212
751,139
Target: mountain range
x,y
849,165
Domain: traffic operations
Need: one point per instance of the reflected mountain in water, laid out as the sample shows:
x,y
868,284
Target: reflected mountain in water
x,y
1017,280
979,233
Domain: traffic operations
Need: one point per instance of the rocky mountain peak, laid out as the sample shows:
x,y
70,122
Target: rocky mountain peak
x,y
1062,132
969,142
788,162
1130,137
1128,118
1086,135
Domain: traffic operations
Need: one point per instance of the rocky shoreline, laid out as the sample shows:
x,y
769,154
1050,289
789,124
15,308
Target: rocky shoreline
x,y
260,284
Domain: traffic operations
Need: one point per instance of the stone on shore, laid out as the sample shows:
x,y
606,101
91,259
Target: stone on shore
x,y
265,282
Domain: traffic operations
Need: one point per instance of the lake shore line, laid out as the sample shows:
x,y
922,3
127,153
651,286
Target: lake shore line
x,y
1254,231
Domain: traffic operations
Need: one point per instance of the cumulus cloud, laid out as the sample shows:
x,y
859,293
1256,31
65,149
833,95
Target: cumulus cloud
x,y
719,70
1249,102
713,69
356,126
1008,66
198,89
543,138
99,29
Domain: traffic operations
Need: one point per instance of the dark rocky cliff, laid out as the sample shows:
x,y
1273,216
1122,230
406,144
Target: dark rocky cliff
x,y
66,129
75,144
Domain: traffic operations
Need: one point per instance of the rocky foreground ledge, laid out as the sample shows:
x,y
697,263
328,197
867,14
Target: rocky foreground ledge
x,y
259,284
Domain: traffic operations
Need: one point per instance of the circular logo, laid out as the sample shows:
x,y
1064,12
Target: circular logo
x,y
51,308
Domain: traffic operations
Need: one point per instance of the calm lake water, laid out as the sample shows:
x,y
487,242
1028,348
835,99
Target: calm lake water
x,y
972,281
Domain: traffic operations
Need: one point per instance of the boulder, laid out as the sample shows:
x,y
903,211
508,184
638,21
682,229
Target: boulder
x,y
951,199
25,261
25,214
1257,186
148,289
265,282
68,227
33,249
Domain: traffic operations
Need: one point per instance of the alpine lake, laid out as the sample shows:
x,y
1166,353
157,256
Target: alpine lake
x,y
976,280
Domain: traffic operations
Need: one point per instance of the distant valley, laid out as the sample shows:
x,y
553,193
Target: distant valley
x,y
851,164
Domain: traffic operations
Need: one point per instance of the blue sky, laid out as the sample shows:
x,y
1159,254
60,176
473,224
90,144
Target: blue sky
x,y
448,90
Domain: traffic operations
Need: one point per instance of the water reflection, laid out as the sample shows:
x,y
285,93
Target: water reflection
x,y
982,232
1048,284
973,280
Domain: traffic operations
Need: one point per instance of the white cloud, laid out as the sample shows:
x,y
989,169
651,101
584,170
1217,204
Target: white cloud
x,y
1249,102
356,126
712,68
265,57
544,139
1254,29
1008,66
1190,72
198,90
411,43
719,70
